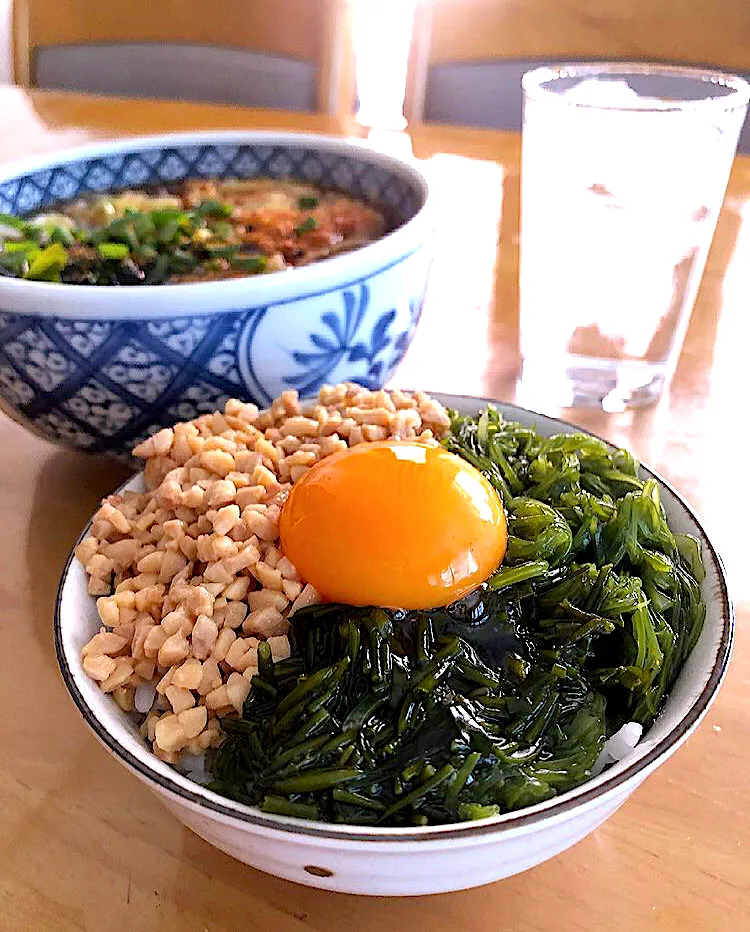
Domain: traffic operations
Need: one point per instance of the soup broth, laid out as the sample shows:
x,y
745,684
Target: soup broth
x,y
196,231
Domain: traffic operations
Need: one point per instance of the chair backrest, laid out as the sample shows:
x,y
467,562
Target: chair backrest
x,y
468,56
274,53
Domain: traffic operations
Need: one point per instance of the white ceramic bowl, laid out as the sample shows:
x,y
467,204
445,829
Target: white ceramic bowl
x,y
99,368
408,861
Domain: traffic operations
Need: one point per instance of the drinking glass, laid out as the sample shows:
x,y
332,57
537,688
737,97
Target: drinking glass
x,y
624,171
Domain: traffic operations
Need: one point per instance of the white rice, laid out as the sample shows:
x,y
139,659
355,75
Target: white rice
x,y
618,747
145,695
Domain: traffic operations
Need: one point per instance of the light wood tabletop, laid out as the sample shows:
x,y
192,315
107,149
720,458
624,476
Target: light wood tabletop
x,y
85,846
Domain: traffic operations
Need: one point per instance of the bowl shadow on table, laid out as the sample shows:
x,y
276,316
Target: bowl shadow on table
x,y
69,487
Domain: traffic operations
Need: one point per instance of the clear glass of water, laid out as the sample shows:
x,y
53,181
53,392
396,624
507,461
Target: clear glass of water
x,y
624,171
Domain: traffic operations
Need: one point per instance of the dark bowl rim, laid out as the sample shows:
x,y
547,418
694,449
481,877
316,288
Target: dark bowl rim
x,y
408,170
557,806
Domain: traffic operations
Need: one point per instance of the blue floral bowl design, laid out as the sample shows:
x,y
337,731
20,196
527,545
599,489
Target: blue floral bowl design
x,y
100,368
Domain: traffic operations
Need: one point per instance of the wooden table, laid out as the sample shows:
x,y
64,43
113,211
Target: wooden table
x,y
85,846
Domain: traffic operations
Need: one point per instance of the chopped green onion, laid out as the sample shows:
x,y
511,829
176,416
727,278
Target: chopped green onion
x,y
159,271
113,250
215,209
222,230
24,246
61,235
214,265
252,264
47,265
10,220
145,254
307,225
220,250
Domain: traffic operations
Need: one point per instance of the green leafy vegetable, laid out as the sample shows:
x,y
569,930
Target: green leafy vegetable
x,y
498,701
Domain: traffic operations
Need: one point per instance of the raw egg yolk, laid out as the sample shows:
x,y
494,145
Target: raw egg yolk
x,y
397,524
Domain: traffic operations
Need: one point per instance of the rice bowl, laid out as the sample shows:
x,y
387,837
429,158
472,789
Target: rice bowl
x,y
457,853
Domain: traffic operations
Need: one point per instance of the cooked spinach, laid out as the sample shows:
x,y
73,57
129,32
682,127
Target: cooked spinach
x,y
498,701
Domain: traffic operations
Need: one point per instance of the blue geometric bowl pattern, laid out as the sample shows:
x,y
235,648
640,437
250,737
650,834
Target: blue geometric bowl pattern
x,y
371,182
104,384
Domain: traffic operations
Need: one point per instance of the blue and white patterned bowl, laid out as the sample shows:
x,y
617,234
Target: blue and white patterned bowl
x,y
100,368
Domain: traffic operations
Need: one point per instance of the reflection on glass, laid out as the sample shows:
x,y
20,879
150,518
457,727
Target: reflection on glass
x,y
621,189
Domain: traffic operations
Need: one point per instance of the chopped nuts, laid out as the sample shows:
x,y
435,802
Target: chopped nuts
x,y
204,636
86,549
211,677
124,696
173,650
234,614
98,666
165,681
189,674
265,598
174,621
225,518
119,676
145,669
223,643
184,567
291,588
179,698
218,698
266,622
237,690
99,566
217,461
268,578
193,721
237,590
308,596
154,641
169,734
106,642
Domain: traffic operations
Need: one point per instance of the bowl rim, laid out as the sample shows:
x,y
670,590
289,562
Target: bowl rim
x,y
399,243
558,806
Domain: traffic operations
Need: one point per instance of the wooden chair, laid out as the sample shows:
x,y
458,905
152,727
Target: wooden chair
x,y
288,54
468,55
